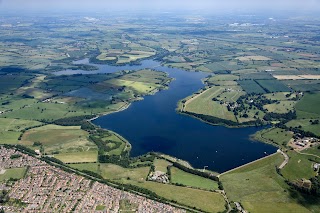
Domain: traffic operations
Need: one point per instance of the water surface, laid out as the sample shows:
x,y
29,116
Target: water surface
x,y
154,125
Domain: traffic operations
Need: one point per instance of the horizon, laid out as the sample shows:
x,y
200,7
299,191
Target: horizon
x,y
214,6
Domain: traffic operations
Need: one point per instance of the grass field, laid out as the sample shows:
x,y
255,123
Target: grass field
x,y
305,125
10,129
59,139
280,107
187,179
15,173
203,104
161,165
260,189
308,107
315,150
298,167
78,157
276,136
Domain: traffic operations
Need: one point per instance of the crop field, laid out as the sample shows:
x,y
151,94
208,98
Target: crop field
x,y
260,189
56,140
251,86
15,173
303,85
255,76
187,179
280,107
225,77
203,104
254,58
308,107
273,86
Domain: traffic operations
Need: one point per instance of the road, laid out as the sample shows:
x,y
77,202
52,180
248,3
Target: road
x,y
286,159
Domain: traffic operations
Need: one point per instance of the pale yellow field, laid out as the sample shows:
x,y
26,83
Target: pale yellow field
x,y
297,77
140,87
254,57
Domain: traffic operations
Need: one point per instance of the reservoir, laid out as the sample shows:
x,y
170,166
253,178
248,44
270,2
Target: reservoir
x,y
154,125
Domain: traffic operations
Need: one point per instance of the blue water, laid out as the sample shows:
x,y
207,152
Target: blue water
x,y
154,125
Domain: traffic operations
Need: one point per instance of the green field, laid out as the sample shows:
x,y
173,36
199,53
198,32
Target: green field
x,y
208,201
299,166
161,165
14,173
314,150
251,86
10,129
280,107
259,188
308,107
59,139
203,104
306,125
274,136
78,157
273,86
187,179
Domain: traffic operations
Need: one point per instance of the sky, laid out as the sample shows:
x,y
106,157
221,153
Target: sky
x,y
209,5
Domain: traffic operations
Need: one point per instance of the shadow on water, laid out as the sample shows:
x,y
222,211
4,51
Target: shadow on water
x,y
154,125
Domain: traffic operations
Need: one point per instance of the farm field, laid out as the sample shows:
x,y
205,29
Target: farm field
x,y
187,179
308,106
251,86
306,125
299,167
53,139
261,70
161,165
280,107
260,189
203,104
276,136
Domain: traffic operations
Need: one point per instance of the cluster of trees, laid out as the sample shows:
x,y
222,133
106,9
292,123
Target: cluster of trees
x,y
77,121
4,196
102,145
301,132
314,190
216,120
283,117
121,160
195,172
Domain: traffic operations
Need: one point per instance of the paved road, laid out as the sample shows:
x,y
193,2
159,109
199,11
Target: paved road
x,y
286,159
